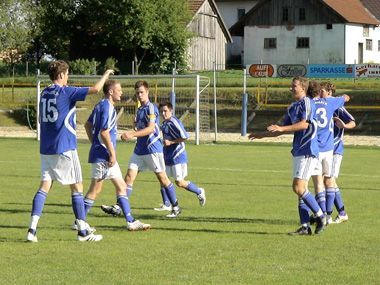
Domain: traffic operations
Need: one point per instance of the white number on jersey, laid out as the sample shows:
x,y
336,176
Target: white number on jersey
x,y
321,118
49,110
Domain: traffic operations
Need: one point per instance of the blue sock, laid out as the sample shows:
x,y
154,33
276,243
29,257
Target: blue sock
x,y
303,211
78,206
123,202
338,201
170,191
165,198
193,188
129,190
38,203
321,200
310,201
330,196
88,203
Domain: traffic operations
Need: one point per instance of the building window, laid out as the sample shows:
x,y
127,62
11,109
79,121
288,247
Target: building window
x,y
368,44
270,43
365,31
206,26
302,14
328,26
302,42
285,14
240,13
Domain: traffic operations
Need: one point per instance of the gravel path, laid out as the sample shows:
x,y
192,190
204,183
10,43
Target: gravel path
x,y
24,132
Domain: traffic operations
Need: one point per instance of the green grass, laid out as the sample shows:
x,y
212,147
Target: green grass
x,y
239,237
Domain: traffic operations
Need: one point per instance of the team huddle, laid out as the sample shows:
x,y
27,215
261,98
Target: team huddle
x,y
318,121
60,161
316,118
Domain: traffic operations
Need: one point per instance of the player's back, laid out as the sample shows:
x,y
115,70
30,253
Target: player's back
x,y
173,129
103,117
57,118
325,108
150,143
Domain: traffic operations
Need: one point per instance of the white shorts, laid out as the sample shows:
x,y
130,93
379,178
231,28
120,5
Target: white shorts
x,y
177,171
324,166
337,161
303,166
101,171
65,167
154,162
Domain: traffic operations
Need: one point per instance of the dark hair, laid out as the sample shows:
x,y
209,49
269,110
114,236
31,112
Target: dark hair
x,y
304,82
166,104
328,86
108,85
313,89
140,83
57,67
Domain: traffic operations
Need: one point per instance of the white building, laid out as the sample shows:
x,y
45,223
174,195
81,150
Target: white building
x,y
309,31
232,11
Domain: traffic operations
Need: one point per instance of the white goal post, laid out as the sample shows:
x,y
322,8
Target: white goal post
x,y
191,100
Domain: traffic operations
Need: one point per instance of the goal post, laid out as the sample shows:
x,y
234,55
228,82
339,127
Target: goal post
x,y
191,99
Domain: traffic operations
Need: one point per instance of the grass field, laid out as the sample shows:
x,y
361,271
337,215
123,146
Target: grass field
x,y
239,237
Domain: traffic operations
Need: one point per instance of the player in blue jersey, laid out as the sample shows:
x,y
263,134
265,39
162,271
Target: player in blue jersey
x,y
101,129
325,108
343,120
59,157
174,137
300,120
148,152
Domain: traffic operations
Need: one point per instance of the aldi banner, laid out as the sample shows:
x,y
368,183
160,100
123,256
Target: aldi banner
x,y
367,70
262,70
330,71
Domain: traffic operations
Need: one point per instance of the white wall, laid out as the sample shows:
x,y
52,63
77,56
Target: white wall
x,y
326,46
354,36
228,10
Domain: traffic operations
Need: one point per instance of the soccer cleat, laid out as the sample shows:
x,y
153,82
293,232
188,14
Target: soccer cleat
x,y
90,237
340,219
114,210
320,224
137,226
89,229
312,219
202,197
175,212
32,236
163,207
329,220
302,231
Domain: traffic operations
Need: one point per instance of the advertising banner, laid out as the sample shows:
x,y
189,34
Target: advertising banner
x,y
291,70
367,70
262,70
330,70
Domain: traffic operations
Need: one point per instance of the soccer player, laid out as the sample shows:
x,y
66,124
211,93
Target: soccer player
x,y
325,108
101,129
58,146
148,152
174,137
343,120
300,120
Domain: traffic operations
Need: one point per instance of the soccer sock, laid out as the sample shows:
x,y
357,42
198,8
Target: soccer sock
x,y
310,201
338,201
303,211
165,198
330,196
170,191
123,202
193,188
38,204
129,190
321,200
88,203
78,206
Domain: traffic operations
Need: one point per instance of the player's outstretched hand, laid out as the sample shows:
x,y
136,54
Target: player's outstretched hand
x,y
127,135
274,128
346,97
108,72
339,123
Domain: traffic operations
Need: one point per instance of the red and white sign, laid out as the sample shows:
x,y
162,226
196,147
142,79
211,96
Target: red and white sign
x,y
262,70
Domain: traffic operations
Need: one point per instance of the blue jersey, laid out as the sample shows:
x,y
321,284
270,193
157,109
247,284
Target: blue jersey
x,y
151,143
173,129
346,117
57,118
305,142
324,110
103,117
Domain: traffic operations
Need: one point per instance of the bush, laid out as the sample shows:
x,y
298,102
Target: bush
x,y
83,66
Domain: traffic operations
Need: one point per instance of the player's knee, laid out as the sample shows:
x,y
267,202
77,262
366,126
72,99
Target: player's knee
x,y
181,183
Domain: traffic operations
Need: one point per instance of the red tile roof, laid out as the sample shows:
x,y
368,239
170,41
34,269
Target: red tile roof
x,y
352,11
194,5
373,6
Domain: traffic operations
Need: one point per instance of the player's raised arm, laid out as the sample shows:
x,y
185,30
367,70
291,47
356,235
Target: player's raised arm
x,y
99,85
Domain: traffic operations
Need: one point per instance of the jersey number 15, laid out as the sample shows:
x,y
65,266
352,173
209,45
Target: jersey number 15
x,y
49,110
